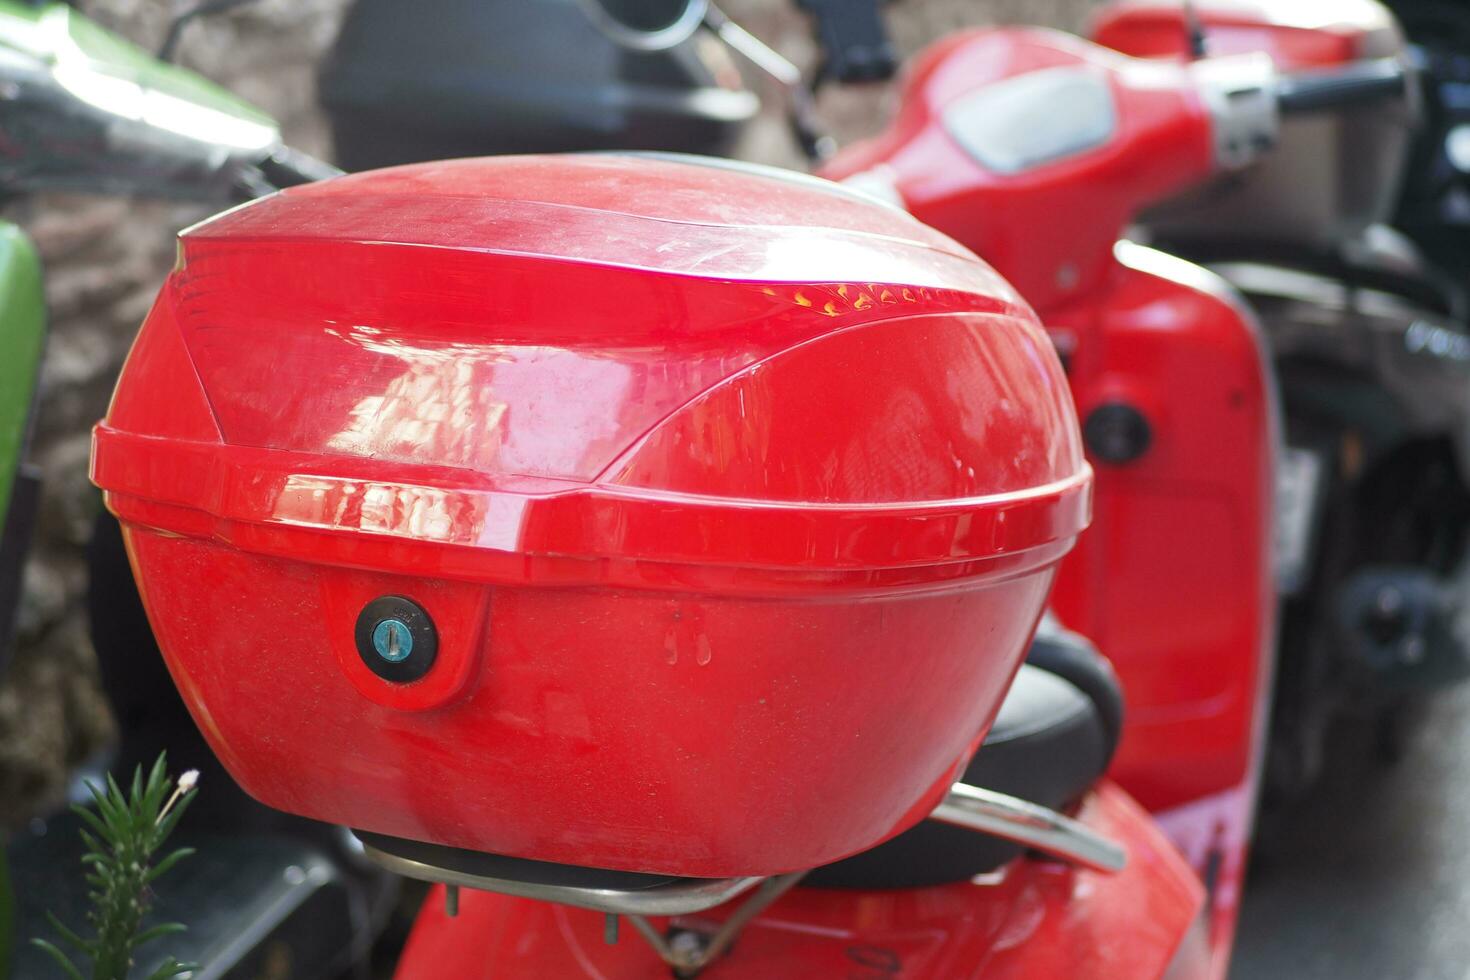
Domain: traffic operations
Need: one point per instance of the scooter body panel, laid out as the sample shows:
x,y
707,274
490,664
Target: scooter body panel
x,y
1031,919
1174,582
1044,210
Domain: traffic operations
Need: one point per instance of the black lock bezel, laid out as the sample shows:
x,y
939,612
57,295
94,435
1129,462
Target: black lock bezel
x,y
1117,433
420,627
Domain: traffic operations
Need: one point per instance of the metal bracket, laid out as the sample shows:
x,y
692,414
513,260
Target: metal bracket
x,y
1017,820
688,959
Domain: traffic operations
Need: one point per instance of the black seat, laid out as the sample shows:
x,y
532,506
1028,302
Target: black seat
x,y
1054,737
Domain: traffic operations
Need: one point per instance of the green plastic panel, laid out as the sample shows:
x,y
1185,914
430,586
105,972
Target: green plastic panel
x,y
22,334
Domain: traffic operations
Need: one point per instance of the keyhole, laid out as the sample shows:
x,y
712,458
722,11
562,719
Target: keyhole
x,y
392,640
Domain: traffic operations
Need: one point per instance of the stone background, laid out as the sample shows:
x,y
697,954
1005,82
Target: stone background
x,y
104,259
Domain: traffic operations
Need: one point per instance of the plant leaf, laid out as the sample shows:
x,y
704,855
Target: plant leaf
x,y
94,846
163,929
158,781
163,866
138,807
107,809
119,803
91,820
61,958
67,934
136,791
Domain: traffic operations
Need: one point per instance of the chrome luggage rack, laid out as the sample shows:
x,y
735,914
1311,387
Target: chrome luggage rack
x,y
639,896
1022,822
616,893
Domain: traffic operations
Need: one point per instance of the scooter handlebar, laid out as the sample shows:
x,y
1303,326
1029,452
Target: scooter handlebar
x,y
1342,88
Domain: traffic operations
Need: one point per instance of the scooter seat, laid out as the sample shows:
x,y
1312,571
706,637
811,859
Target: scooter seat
x,y
1054,737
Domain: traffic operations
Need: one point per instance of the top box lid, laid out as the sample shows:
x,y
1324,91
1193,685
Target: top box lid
x,y
542,355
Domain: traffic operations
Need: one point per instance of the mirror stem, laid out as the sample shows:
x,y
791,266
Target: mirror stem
x,y
753,49
815,143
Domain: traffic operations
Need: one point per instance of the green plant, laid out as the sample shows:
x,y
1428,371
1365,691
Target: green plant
x,y
121,838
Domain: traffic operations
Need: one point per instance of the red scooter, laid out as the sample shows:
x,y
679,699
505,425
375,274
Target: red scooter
x,y
1369,340
800,448
1037,149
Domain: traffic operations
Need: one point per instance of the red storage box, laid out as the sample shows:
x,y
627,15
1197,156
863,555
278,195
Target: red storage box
x,y
631,513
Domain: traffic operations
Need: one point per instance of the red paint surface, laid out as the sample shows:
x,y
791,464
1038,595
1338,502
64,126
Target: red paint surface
x,y
734,500
1034,920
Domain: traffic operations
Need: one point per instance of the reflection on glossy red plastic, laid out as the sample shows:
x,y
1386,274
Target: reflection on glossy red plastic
x,y
1032,919
733,498
1173,582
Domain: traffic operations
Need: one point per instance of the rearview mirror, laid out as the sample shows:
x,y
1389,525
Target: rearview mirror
x,y
647,25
